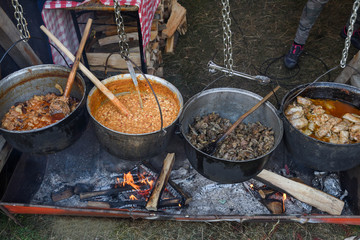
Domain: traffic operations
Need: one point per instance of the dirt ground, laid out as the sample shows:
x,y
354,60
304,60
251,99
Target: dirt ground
x,y
262,33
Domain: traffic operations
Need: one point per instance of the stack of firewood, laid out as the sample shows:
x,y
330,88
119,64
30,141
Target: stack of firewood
x,y
170,19
103,50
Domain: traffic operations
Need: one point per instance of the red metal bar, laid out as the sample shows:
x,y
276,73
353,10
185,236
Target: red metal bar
x,y
136,214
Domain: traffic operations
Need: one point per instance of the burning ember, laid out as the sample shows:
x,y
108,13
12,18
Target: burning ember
x,y
274,201
129,190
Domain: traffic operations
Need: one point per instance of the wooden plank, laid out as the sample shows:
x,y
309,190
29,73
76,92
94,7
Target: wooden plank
x,y
178,12
134,36
22,53
154,30
161,182
110,30
348,71
312,196
115,61
182,28
169,47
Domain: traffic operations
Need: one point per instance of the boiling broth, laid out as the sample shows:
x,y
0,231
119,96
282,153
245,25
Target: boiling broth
x,y
336,108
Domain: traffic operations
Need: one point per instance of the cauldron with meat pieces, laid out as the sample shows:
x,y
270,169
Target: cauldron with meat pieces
x,y
40,80
309,151
229,103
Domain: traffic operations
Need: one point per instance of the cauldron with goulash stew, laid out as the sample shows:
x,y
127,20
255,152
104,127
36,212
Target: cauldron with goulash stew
x,y
40,80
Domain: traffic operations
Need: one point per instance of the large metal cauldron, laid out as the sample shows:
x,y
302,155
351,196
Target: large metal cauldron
x,y
132,146
315,154
40,80
230,103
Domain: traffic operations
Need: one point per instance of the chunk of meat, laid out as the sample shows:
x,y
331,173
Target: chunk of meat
x,y
290,110
325,128
319,119
334,138
343,137
299,123
341,126
352,117
304,101
355,132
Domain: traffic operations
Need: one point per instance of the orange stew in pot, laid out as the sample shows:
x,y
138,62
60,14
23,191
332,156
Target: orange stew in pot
x,y
142,120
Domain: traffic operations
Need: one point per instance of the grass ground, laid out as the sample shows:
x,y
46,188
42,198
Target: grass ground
x,y
84,228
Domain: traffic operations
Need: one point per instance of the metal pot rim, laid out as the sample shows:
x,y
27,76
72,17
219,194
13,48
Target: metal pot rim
x,y
32,69
317,84
235,90
150,77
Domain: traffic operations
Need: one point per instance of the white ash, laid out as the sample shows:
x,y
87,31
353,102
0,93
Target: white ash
x,y
208,197
294,206
54,183
226,199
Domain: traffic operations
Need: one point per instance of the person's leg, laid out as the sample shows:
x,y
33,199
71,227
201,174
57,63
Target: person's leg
x,y
308,17
310,13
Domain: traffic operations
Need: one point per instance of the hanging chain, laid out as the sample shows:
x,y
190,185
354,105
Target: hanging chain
x,y
349,33
22,23
124,46
226,24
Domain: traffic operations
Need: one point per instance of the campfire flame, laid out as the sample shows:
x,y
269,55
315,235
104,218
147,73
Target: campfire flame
x,y
143,185
283,200
128,179
132,197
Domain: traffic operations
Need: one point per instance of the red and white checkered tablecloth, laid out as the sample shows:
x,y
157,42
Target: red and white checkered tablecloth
x,y
59,22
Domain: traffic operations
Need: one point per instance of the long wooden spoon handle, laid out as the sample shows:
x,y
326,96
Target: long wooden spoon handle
x,y
74,68
122,108
240,119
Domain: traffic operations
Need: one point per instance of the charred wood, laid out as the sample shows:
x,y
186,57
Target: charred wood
x,y
63,194
111,191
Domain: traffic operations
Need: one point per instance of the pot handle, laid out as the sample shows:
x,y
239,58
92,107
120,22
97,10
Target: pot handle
x,y
157,101
178,131
20,40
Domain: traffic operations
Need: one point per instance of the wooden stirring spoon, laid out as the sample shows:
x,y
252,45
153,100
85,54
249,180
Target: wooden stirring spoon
x,y
121,107
211,147
61,104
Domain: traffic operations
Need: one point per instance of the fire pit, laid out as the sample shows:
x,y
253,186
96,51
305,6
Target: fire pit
x,y
81,186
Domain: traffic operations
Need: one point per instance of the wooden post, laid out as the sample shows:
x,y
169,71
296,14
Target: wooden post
x,y
346,74
22,53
